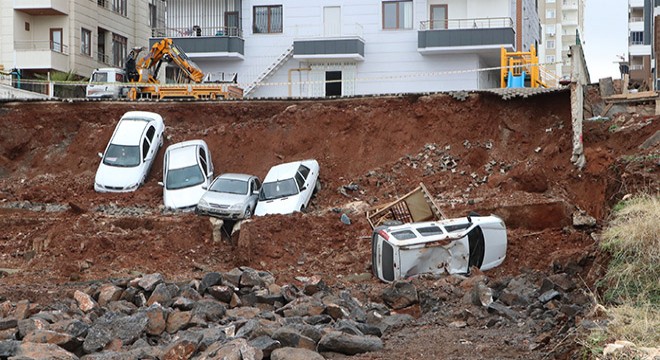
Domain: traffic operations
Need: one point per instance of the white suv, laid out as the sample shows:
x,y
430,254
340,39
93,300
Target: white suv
x,y
130,153
288,188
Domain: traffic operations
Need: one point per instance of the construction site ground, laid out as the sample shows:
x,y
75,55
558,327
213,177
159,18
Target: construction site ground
x,y
481,153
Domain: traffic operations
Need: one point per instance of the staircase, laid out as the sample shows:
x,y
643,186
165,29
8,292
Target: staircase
x,y
286,55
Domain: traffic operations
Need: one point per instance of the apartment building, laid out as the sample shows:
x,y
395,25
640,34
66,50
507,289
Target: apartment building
x,y
42,36
317,48
561,22
642,34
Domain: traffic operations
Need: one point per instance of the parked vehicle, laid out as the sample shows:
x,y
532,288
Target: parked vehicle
x,y
130,153
187,170
447,246
230,196
288,187
107,83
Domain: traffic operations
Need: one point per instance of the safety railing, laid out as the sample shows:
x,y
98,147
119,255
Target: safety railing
x,y
193,31
29,45
117,6
476,23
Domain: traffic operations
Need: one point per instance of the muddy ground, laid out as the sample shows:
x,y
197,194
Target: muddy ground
x,y
512,159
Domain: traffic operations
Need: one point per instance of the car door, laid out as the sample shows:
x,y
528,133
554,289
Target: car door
x,y
145,160
153,147
307,189
255,186
204,161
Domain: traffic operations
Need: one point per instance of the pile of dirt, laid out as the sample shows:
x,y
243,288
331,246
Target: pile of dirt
x,y
484,154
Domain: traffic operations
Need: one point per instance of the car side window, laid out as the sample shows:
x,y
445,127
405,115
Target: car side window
x,y
257,184
300,180
145,148
202,162
304,171
150,133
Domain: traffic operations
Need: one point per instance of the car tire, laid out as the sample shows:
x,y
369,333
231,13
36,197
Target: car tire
x,y
317,186
303,209
247,214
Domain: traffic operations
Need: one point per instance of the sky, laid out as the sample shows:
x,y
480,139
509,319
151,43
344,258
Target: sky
x,y
605,36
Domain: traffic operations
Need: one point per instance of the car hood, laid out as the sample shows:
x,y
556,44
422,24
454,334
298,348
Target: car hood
x,y
117,176
224,198
182,198
285,205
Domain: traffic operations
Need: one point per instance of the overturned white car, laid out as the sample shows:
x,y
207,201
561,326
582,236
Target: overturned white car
x,y
449,246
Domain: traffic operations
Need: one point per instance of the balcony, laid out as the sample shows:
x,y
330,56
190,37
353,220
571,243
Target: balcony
x,y
485,36
42,55
569,5
205,43
335,43
42,7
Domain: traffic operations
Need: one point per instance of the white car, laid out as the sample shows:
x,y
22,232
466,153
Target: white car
x,y
230,196
130,153
288,188
450,246
187,171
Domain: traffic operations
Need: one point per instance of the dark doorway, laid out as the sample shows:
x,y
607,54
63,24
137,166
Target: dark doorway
x,y
333,83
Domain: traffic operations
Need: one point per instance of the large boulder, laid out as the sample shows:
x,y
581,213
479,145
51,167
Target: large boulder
x,y
349,344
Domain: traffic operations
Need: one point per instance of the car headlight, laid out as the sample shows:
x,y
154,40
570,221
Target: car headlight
x,y
131,187
236,207
203,203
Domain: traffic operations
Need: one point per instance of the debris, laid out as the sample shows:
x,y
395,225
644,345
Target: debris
x,y
582,219
345,219
537,150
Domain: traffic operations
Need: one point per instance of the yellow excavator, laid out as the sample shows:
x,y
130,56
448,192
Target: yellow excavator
x,y
140,77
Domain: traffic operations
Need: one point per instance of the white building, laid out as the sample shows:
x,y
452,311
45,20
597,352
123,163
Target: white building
x,y
561,21
42,36
352,47
642,34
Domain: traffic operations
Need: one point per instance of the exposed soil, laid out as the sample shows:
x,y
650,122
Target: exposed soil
x,y
512,159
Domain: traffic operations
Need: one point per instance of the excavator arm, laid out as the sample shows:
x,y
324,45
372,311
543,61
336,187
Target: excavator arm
x,y
146,68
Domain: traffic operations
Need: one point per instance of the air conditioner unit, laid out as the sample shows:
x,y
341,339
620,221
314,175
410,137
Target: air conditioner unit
x,y
551,34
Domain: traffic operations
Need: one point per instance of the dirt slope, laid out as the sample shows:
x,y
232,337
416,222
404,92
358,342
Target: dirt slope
x,y
509,157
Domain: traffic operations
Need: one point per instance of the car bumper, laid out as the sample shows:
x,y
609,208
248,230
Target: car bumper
x,y
219,213
115,189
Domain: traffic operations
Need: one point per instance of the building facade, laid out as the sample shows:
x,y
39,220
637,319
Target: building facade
x,y
642,47
43,36
561,22
319,48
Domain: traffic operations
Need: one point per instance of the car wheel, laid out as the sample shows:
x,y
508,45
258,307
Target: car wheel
x,y
247,214
317,186
303,209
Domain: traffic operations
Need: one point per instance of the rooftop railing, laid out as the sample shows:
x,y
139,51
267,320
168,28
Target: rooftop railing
x,y
193,31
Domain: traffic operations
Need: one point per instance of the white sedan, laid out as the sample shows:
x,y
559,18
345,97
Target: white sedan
x,y
288,188
130,153
187,172
230,196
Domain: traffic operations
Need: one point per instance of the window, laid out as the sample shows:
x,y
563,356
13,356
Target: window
x,y
304,171
27,26
56,39
100,46
438,17
118,50
86,42
550,44
397,14
145,148
300,180
550,59
636,38
333,83
150,133
550,30
550,14
267,19
550,1
231,24
152,16
119,6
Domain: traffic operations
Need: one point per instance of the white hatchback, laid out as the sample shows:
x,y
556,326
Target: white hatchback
x,y
130,153
288,188
187,172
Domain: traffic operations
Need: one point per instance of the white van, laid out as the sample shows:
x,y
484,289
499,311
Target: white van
x,y
449,246
107,83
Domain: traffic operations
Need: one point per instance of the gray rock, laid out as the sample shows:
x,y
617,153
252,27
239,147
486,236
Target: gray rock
x,y
503,310
562,281
309,331
180,349
29,350
265,344
237,349
400,294
313,285
108,293
388,322
122,306
250,327
209,310
74,327
349,344
304,306
156,319
85,302
290,337
482,295
233,277
188,292
144,352
9,348
28,325
251,278
287,353
62,340
209,279
148,282
163,294
651,141
204,337
222,293
183,303
289,292
549,295
368,329
318,319
582,219
348,327
129,294
264,297
114,326
178,320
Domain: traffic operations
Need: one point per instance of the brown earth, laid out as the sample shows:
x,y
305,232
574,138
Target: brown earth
x,y
512,156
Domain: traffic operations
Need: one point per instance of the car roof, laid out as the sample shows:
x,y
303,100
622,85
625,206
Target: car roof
x,y
282,171
129,132
184,153
234,176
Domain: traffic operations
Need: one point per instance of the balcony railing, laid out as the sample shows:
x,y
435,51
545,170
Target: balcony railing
x,y
636,67
477,23
636,19
193,31
117,6
20,45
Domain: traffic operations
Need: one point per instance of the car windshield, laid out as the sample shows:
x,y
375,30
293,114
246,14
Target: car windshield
x,y
122,155
278,189
230,186
184,177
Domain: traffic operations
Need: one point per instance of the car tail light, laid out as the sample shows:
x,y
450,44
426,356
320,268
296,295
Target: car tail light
x,y
384,235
